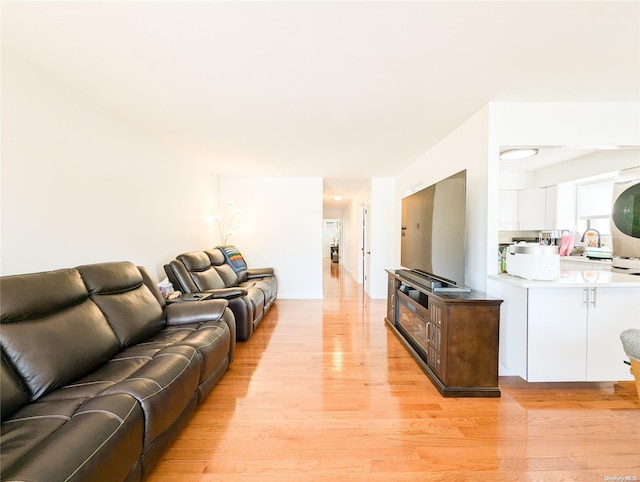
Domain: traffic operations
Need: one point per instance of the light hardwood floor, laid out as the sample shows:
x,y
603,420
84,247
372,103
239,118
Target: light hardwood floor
x,y
323,390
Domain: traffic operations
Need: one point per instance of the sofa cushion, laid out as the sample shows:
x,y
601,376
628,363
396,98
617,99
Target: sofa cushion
x,y
129,306
207,341
216,257
164,387
262,285
99,440
28,427
211,340
65,337
202,273
195,261
227,274
30,296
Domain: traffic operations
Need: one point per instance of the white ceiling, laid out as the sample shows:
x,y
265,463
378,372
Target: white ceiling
x,y
340,90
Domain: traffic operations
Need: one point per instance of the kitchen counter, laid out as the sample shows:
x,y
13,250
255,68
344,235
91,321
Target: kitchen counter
x,y
569,333
584,259
574,279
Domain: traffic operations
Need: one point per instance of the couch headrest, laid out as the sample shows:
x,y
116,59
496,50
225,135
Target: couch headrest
x,y
52,332
111,278
134,312
216,258
34,295
195,261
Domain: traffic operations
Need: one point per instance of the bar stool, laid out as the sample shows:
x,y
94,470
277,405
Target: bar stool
x,y
631,344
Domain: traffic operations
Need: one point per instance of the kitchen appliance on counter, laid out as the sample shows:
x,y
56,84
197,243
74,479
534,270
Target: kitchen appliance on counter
x,y
625,265
533,261
625,220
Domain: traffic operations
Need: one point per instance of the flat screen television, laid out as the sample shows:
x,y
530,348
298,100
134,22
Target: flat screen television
x,y
433,231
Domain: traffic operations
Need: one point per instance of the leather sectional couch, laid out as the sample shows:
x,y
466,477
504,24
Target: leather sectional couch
x,y
223,273
98,374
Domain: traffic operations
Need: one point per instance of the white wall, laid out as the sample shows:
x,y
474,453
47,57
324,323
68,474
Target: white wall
x,y
565,123
465,148
281,228
384,215
82,185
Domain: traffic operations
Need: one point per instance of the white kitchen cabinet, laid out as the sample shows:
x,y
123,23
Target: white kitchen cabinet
x,y
557,335
574,333
540,209
508,211
566,330
551,207
531,209
610,312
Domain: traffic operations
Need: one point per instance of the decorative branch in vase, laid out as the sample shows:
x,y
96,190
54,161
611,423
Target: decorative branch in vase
x,y
225,221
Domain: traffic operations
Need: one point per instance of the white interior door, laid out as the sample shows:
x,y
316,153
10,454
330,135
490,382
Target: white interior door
x,y
366,247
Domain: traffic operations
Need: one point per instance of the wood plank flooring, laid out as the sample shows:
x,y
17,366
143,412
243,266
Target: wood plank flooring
x,y
323,391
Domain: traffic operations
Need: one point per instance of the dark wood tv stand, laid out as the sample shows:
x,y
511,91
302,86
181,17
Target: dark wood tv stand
x,y
452,336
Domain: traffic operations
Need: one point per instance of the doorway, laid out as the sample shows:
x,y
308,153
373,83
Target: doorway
x,y
331,236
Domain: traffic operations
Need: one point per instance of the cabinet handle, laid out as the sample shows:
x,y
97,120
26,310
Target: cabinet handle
x,y
593,297
585,296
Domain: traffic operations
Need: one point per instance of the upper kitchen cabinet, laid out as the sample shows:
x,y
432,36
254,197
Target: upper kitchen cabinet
x,y
508,213
535,209
532,209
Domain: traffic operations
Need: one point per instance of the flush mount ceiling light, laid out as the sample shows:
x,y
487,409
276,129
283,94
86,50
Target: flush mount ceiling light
x,y
337,198
511,154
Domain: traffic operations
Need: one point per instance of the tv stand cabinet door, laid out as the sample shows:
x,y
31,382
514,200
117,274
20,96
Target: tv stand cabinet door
x,y
435,328
392,287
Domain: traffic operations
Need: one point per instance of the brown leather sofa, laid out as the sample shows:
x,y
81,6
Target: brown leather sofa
x,y
223,273
98,374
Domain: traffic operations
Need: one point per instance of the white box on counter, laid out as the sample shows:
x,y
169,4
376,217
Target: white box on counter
x,y
533,261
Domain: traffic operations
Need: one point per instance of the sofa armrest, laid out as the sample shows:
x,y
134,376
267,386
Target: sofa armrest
x,y
195,312
259,272
226,293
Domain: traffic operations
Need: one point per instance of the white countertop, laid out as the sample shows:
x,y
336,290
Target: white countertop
x,y
584,259
574,279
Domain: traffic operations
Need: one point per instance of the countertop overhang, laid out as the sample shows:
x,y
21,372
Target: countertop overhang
x,y
574,279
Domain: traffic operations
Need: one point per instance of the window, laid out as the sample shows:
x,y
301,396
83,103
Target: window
x,y
595,201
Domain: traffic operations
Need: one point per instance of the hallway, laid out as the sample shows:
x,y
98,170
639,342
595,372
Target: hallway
x,y
323,390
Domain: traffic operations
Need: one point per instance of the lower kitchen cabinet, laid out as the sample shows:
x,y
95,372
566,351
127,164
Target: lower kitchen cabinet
x,y
574,333
566,334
